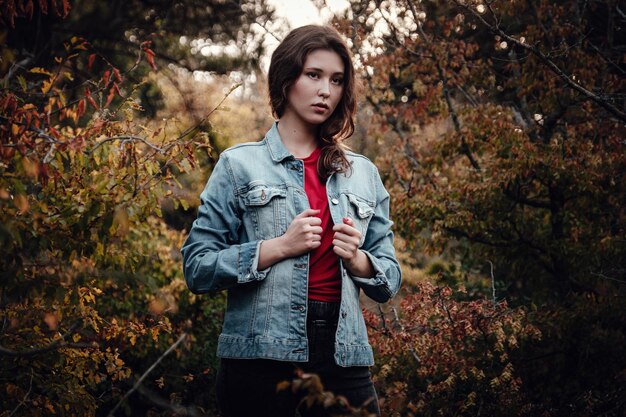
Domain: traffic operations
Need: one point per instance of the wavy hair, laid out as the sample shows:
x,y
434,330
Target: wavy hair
x,y
285,68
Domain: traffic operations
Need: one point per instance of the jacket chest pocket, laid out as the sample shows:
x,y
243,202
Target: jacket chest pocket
x,y
360,211
267,207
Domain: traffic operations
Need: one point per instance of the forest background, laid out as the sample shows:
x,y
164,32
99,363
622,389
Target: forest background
x,y
498,128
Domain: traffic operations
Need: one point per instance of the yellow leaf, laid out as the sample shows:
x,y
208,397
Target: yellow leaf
x,y
76,338
120,221
47,85
39,70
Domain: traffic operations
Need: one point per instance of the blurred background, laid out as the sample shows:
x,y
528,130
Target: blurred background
x,y
498,128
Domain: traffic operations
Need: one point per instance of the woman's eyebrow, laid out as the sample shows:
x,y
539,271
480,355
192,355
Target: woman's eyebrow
x,y
321,70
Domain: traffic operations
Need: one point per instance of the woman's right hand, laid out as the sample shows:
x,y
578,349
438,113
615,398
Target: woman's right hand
x,y
303,235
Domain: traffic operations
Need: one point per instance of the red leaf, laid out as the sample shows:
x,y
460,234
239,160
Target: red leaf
x,y
117,89
110,97
80,109
117,74
105,77
43,5
90,99
92,58
66,8
28,9
150,58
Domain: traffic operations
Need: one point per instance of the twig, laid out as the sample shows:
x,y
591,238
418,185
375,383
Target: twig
x,y
493,284
125,139
383,320
399,323
166,405
145,374
30,387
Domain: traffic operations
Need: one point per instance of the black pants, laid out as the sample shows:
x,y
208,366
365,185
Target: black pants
x,y
247,387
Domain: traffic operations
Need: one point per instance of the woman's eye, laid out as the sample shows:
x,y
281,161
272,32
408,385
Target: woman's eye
x,y
338,81
313,75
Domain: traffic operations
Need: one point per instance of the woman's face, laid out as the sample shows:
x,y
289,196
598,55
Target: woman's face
x,y
319,88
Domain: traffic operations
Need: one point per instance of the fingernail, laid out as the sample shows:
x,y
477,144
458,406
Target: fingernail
x,y
346,220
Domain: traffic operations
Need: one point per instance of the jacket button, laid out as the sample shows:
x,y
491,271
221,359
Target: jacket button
x,y
343,314
301,308
334,201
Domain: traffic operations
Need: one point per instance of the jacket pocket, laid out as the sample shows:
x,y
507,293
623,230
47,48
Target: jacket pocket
x,y
361,211
267,207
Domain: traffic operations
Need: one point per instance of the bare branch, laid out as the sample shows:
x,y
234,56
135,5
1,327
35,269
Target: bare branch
x,y
55,344
163,403
145,374
493,284
30,388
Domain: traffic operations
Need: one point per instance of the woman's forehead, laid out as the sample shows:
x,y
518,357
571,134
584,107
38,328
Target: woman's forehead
x,y
324,60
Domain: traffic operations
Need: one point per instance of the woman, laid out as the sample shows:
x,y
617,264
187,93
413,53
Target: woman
x,y
294,226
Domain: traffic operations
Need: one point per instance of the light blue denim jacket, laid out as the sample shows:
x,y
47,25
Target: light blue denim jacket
x,y
253,194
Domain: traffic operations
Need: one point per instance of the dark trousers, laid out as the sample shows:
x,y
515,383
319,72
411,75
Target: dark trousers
x,y
247,387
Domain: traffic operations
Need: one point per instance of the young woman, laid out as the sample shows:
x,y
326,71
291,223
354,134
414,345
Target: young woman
x,y
294,227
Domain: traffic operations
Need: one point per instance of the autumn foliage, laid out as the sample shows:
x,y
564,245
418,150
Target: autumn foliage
x,y
502,125
88,268
499,130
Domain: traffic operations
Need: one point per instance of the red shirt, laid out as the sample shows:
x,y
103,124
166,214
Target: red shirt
x,y
324,278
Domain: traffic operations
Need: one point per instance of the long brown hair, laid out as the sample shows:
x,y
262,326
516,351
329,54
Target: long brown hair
x,y
286,66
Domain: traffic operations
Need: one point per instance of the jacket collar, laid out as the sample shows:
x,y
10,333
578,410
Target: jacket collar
x,y
278,152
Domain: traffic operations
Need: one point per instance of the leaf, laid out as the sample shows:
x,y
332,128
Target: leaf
x,y
110,97
22,81
39,70
150,58
46,86
21,202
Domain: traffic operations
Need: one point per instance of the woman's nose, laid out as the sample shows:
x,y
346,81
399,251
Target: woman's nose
x,y
324,91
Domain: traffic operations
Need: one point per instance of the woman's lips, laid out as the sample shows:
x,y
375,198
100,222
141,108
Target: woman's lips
x,y
320,108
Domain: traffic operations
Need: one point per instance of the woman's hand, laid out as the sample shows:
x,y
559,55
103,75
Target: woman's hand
x,y
303,235
346,245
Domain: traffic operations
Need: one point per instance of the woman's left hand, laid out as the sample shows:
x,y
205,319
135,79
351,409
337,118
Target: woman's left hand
x,y
346,245
346,241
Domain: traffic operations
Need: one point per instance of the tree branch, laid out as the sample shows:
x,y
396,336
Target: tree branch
x,y
145,374
23,401
494,28
55,344
465,149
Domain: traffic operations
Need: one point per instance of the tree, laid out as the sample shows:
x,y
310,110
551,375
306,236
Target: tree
x,y
91,289
505,124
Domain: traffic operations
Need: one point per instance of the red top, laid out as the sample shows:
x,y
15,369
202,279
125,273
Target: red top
x,y
324,278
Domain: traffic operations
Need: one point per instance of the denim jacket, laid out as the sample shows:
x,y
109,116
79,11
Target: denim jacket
x,y
253,194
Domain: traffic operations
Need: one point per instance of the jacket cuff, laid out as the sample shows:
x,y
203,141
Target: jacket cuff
x,y
249,261
379,279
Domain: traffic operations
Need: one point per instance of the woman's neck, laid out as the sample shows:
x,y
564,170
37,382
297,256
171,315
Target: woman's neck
x,y
299,140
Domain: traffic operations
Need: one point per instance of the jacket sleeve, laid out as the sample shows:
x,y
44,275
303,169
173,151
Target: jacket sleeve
x,y
378,246
213,257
